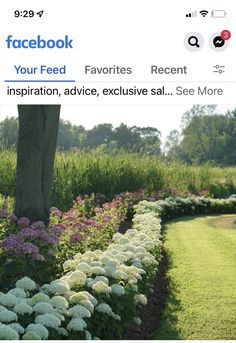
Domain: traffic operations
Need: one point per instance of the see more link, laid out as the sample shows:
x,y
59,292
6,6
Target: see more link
x,y
39,43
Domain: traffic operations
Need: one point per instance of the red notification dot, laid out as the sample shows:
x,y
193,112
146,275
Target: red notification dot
x,y
225,34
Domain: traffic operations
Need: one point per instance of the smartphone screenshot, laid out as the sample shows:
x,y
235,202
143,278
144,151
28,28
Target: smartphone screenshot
x,y
117,170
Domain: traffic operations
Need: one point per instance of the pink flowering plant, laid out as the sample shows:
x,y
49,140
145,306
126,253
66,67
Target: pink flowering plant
x,y
23,247
27,247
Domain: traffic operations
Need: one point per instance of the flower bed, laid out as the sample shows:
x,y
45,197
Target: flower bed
x,y
98,295
101,291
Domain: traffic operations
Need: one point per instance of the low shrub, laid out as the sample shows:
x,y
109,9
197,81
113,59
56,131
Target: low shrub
x,y
175,206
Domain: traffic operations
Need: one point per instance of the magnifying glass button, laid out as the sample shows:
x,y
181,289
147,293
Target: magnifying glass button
x,y
193,41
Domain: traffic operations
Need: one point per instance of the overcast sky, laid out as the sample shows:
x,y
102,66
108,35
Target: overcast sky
x,y
164,117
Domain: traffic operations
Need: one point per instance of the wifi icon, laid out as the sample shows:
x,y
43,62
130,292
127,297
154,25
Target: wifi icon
x,y
204,13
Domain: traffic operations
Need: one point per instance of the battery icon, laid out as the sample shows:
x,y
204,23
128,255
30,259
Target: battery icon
x,y
218,13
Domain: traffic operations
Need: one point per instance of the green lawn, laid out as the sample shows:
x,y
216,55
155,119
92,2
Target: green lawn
x,y
202,276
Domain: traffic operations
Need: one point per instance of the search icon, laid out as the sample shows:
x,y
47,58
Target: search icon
x,y
193,41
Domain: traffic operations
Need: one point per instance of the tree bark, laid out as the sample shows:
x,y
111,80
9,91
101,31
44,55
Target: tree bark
x,y
38,128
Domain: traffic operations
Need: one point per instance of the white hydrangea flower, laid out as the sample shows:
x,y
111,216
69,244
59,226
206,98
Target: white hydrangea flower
x,y
62,332
101,287
116,317
129,255
77,256
38,298
7,316
8,300
116,236
87,304
105,259
26,283
90,282
68,295
2,308
140,299
79,311
23,308
17,327
60,316
43,308
123,240
114,263
132,279
59,302
69,265
90,254
45,288
85,259
147,262
88,336
96,264
141,250
98,252
39,330
90,297
31,336
58,286
117,289
78,297
114,251
137,320
18,292
148,245
102,278
119,275
122,258
84,267
95,338
6,332
104,308
77,278
135,271
77,324
48,320
98,271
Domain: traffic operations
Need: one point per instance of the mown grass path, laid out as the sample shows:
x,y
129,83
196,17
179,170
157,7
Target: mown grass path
x,y
202,279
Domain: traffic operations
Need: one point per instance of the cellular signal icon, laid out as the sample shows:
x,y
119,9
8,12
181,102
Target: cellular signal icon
x,y
191,14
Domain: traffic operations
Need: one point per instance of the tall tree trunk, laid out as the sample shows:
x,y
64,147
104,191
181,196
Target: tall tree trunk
x,y
38,128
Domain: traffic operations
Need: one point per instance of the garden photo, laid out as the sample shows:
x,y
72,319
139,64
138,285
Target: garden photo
x,y
117,222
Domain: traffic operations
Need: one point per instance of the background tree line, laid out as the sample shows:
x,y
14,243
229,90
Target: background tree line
x,y
103,137
205,136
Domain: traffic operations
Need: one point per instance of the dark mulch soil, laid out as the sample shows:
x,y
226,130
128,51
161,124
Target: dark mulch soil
x,y
151,314
124,226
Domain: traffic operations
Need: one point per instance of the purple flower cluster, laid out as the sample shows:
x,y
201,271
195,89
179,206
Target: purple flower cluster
x,y
56,212
37,225
56,230
23,222
80,225
13,218
3,214
76,237
19,245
